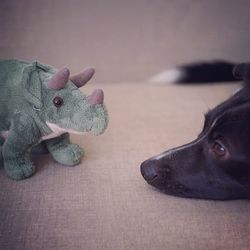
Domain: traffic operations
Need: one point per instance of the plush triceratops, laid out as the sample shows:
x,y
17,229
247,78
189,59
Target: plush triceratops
x,y
39,105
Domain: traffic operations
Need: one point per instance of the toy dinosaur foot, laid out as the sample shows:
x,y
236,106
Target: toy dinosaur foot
x,y
70,154
19,169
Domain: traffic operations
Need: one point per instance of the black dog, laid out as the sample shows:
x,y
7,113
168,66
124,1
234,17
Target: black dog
x,y
216,165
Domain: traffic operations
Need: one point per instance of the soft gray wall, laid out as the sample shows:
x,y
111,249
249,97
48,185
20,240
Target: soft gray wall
x,y
125,40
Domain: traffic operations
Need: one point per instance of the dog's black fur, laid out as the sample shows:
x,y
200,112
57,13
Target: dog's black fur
x,y
216,165
202,72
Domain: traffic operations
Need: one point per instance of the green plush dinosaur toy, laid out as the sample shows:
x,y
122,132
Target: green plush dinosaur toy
x,y
40,106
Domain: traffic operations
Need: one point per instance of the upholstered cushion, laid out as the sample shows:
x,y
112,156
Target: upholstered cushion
x,y
104,203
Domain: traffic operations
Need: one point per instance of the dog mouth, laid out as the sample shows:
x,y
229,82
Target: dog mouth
x,y
170,187
174,188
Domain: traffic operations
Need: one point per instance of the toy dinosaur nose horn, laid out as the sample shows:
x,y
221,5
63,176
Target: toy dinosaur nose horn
x,y
96,97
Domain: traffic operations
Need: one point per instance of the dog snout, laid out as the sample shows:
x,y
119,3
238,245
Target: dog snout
x,y
152,170
149,170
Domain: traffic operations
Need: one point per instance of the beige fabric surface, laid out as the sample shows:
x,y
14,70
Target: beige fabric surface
x,y
104,203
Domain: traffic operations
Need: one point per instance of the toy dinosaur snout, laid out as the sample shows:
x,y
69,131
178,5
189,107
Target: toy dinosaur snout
x,y
72,109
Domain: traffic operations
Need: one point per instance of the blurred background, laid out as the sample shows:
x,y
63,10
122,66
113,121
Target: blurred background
x,y
125,40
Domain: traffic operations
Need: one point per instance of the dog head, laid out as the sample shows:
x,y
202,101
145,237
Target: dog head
x,y
216,165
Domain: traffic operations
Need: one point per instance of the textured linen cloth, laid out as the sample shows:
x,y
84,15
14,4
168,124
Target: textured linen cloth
x,y
104,203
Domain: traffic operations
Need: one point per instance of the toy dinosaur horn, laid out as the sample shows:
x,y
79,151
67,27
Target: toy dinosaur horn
x,y
59,79
96,97
83,77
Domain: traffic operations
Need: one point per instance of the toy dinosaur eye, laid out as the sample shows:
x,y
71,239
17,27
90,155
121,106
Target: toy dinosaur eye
x,y
58,101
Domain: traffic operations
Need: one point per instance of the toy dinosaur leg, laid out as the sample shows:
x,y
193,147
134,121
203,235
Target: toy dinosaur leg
x,y
63,151
16,148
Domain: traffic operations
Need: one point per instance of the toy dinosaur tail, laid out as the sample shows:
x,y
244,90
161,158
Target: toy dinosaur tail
x,y
198,72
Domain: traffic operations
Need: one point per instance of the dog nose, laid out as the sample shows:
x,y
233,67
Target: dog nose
x,y
149,170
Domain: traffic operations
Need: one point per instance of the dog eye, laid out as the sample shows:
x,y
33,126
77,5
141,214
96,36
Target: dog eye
x,y
219,149
58,101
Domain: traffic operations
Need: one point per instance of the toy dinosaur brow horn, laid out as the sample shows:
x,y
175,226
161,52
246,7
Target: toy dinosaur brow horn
x,y
59,79
83,77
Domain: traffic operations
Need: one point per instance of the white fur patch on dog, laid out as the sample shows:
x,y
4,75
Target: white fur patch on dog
x,y
168,76
237,90
174,150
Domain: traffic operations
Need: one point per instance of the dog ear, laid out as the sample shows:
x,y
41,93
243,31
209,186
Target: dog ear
x,y
242,71
32,85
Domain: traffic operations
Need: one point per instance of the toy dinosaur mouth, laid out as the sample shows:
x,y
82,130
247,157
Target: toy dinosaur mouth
x,y
57,131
